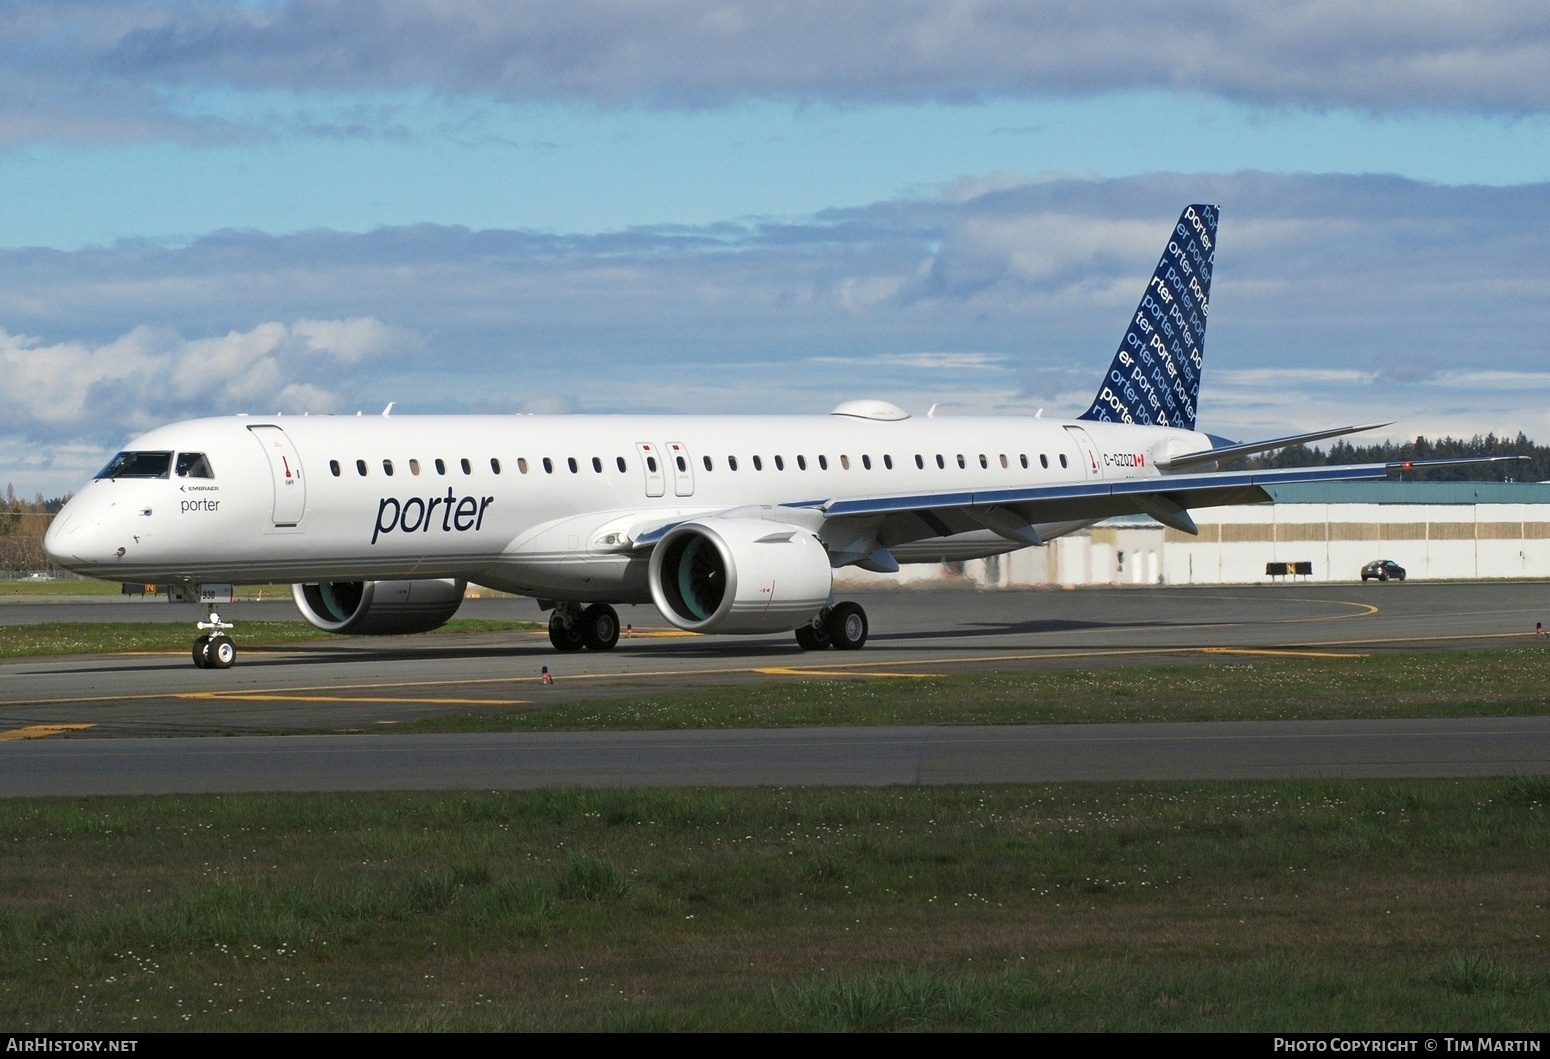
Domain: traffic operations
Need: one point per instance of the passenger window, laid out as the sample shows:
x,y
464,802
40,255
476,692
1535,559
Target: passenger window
x,y
1063,462
961,462
866,461
941,464
801,463
920,461
414,466
495,465
1004,464
333,465
360,468
387,468
1024,459
570,461
549,466
706,460
732,462
597,464
441,466
651,464
468,468
620,461
984,463
780,463
887,461
682,466
194,465
844,462
1044,461
522,464
758,464
823,463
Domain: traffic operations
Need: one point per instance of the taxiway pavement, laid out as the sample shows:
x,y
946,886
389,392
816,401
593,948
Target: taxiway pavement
x,y
360,684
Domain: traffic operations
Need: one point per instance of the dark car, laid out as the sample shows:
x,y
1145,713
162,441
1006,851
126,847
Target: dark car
x,y
1383,570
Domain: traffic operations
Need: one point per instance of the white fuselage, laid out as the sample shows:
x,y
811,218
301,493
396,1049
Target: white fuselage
x,y
541,505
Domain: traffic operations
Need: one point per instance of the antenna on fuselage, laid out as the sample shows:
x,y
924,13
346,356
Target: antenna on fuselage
x,y
389,409
931,412
1039,414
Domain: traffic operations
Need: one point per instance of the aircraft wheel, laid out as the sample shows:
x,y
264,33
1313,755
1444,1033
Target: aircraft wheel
x,y
599,627
564,638
847,626
220,652
813,638
200,659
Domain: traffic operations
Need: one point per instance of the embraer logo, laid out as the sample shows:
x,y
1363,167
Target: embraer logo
x,y
414,514
1124,459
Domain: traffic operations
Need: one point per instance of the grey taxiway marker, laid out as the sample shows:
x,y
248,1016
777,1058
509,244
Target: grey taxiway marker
x,y
870,756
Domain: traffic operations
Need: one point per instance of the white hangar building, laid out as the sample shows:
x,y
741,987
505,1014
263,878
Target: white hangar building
x,y
1435,530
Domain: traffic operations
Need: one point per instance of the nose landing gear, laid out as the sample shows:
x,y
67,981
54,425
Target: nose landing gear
x,y
214,649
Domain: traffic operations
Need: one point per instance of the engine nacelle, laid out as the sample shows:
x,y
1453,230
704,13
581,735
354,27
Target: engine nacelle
x,y
379,608
734,575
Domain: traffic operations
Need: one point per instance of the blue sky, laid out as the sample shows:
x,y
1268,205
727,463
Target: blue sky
x,y
594,206
579,168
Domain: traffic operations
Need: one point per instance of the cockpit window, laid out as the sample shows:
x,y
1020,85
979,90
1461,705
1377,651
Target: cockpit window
x,y
138,465
194,465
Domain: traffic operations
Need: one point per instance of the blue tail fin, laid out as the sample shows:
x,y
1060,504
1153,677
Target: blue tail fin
x,y
1155,377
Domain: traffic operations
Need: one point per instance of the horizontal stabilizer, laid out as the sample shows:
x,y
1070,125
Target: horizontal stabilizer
x,y
1226,454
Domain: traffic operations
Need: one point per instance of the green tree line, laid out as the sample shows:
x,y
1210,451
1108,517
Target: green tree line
x,y
22,526
1535,468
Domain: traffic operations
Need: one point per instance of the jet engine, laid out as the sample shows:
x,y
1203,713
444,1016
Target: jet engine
x,y
379,608
732,575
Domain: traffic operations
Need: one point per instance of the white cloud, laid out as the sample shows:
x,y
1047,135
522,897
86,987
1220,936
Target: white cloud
x,y
1334,300
115,71
77,389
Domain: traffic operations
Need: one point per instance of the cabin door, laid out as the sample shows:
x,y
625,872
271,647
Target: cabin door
x,y
1084,442
290,488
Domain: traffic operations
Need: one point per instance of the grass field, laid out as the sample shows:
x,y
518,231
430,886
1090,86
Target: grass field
x,y
1293,905
84,637
60,587
1485,683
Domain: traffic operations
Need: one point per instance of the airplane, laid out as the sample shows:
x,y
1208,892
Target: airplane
x,y
728,524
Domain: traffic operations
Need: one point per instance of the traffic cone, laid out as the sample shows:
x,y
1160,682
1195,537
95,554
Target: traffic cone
x,y
545,678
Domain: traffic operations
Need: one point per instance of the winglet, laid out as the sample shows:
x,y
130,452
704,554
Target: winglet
x,y
1155,377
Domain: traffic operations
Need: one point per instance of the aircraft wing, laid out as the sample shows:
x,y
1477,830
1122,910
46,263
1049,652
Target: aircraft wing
x,y
1013,513
857,526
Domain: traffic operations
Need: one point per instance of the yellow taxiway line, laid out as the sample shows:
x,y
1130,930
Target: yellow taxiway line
x,y
40,731
786,671
1280,653
279,695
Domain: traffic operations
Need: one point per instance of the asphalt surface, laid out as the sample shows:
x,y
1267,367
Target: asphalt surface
x,y
783,757
90,703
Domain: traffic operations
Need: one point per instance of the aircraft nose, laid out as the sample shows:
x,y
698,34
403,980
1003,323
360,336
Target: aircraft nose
x,y
73,539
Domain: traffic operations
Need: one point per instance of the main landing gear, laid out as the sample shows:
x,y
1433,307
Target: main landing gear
x,y
571,628
842,626
214,649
